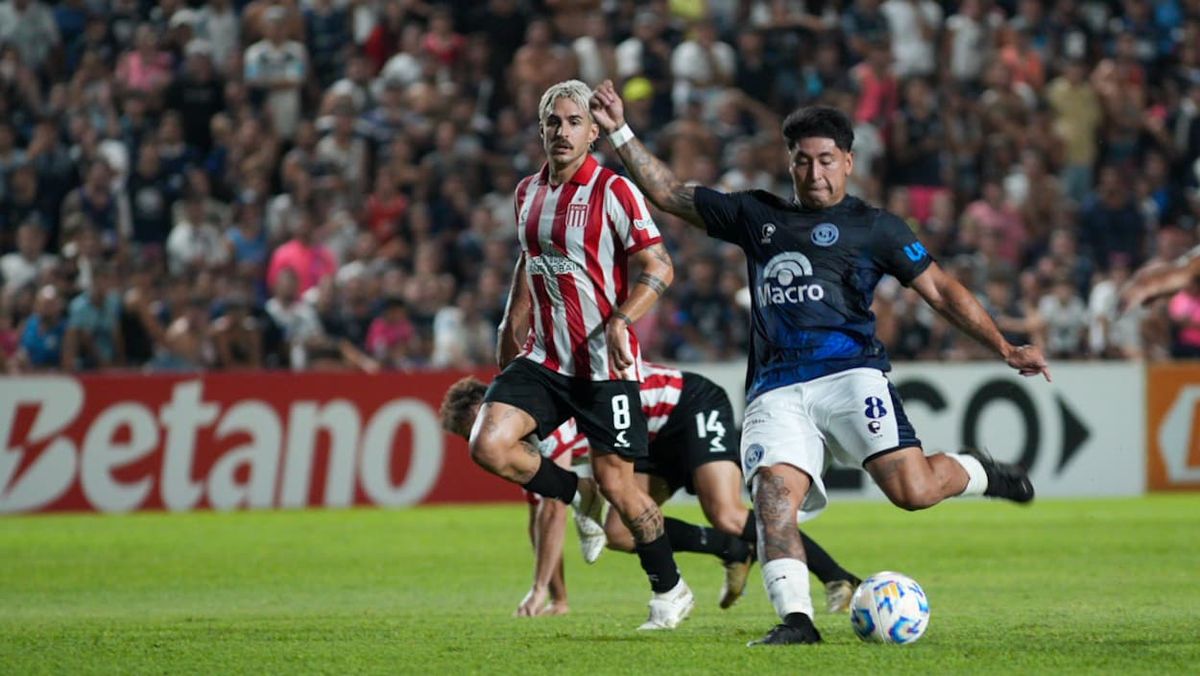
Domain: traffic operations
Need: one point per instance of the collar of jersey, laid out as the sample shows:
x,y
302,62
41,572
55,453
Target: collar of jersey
x,y
795,203
582,175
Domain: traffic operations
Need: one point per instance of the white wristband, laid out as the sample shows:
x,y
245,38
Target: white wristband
x,y
621,136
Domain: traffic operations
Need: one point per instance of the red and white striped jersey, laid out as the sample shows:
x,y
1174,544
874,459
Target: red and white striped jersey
x,y
565,439
576,239
661,390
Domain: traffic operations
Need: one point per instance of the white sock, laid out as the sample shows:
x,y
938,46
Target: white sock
x,y
786,581
977,481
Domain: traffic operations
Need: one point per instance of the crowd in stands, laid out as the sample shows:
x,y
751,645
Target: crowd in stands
x,y
328,184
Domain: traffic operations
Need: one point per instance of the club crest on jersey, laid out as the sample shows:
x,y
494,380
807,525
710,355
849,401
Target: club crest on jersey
x,y
754,454
577,215
825,234
768,229
783,280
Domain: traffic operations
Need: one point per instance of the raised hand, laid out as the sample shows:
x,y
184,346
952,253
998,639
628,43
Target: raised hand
x,y
607,108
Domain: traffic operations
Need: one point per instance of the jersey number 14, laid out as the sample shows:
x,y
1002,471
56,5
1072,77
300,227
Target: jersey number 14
x,y
711,424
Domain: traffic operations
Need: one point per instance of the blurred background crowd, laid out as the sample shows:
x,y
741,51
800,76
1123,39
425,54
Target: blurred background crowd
x,y
327,184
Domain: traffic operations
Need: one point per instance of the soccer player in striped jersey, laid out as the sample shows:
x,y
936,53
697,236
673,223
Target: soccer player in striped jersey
x,y
566,345
693,445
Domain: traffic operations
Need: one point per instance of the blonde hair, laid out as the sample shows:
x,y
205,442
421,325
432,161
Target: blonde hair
x,y
575,90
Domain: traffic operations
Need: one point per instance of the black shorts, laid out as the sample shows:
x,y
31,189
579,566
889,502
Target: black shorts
x,y
700,430
607,412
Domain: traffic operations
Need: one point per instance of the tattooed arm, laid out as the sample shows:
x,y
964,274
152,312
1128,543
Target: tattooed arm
x,y
650,174
656,276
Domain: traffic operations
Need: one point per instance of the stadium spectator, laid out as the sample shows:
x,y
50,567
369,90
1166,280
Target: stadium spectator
x,y
1113,334
30,261
702,65
1065,318
308,260
1071,131
43,334
237,337
391,334
295,325
188,341
276,68
29,26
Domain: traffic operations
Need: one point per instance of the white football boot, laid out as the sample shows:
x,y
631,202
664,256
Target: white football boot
x,y
668,609
589,519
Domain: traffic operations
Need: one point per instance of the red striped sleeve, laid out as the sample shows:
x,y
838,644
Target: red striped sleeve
x,y
634,227
522,188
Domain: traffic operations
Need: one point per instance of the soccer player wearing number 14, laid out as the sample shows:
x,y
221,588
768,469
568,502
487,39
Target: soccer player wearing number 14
x,y
815,374
580,225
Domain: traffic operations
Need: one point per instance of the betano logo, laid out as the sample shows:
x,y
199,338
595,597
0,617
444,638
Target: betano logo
x,y
779,279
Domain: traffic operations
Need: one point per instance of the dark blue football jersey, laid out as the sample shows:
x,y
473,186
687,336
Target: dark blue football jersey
x,y
812,279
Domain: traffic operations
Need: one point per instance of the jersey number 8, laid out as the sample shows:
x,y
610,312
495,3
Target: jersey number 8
x,y
620,407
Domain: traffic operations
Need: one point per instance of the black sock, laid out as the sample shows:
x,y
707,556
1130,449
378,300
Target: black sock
x,y
552,481
750,530
798,620
659,564
687,537
822,564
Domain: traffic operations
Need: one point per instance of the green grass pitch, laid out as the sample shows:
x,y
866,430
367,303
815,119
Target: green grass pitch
x,y
1098,586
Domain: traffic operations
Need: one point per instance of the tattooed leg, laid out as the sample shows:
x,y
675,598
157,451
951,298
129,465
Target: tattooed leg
x,y
639,512
779,491
643,518
498,442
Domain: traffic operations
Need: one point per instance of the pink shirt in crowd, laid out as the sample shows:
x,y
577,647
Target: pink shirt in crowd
x,y
1004,221
138,72
310,263
1184,308
383,335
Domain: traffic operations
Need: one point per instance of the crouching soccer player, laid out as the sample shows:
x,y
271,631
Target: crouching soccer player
x,y
693,445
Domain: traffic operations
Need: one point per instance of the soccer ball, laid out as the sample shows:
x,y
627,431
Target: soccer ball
x,y
889,608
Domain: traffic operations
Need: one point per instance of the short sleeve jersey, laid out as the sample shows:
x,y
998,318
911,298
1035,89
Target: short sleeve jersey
x,y
576,239
812,279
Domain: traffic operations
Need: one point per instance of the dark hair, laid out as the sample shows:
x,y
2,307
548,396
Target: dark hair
x,y
819,122
458,406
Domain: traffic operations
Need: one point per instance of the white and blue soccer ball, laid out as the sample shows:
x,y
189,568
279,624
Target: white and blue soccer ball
x,y
889,608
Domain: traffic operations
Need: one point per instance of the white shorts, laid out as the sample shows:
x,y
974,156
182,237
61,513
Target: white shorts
x,y
845,418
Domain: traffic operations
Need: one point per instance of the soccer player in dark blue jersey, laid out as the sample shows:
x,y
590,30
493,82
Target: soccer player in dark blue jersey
x,y
815,380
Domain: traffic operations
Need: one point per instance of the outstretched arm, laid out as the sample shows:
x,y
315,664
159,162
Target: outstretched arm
x,y
1157,281
514,328
547,531
959,306
650,174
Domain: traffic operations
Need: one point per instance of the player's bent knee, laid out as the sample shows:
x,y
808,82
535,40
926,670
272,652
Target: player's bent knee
x,y
487,452
915,498
729,521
